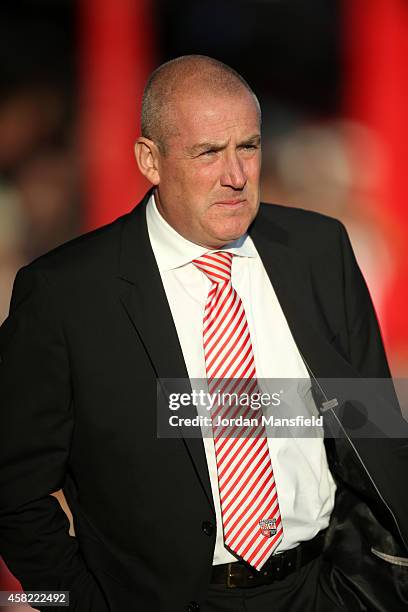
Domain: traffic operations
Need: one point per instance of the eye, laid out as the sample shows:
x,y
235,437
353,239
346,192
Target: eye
x,y
250,147
209,152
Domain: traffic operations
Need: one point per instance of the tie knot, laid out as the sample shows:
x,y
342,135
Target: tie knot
x,y
216,266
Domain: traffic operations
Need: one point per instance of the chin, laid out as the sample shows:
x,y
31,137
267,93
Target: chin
x,y
229,228
227,238
236,229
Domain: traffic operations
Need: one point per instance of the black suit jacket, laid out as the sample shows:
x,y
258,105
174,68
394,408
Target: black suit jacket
x,y
89,334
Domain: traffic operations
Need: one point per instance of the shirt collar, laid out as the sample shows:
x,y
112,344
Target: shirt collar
x,y
173,250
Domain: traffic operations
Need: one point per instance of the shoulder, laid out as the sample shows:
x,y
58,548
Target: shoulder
x,y
81,266
90,252
93,254
298,220
304,230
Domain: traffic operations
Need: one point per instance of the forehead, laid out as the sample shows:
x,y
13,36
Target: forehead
x,y
206,116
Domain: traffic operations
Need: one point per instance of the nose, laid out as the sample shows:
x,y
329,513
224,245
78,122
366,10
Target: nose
x,y
233,174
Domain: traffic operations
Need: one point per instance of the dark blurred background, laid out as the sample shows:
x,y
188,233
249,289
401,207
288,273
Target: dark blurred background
x,y
332,79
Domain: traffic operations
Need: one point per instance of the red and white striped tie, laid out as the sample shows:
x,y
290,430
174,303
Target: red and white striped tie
x,y
249,501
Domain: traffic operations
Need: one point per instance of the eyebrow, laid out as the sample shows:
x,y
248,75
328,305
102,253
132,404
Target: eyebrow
x,y
218,146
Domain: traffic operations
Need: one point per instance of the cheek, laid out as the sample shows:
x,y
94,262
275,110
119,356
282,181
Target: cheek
x,y
254,171
193,179
207,171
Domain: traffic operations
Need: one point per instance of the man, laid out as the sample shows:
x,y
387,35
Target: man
x,y
94,324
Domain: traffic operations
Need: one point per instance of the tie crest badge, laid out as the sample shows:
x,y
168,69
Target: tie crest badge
x,y
268,527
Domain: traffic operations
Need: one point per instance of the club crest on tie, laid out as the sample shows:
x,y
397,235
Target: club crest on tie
x,y
268,527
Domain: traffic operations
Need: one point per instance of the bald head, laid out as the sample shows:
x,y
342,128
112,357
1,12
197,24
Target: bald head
x,y
183,77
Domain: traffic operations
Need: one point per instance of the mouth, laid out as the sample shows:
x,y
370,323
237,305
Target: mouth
x,y
237,203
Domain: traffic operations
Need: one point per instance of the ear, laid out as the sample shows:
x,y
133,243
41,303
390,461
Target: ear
x,y
147,153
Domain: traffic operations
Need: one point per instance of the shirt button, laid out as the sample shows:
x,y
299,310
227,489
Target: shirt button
x,y
193,606
208,528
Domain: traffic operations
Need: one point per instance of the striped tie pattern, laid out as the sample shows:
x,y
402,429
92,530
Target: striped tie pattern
x,y
249,503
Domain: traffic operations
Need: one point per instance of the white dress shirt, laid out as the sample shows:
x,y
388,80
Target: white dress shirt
x,y
304,483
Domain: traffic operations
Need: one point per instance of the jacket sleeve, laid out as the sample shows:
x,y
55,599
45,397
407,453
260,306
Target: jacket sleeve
x,y
366,349
36,423
386,456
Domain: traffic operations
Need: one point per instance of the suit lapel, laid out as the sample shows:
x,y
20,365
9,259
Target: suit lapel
x,y
145,301
144,298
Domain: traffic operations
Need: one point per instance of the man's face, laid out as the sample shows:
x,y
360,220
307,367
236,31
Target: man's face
x,y
208,178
